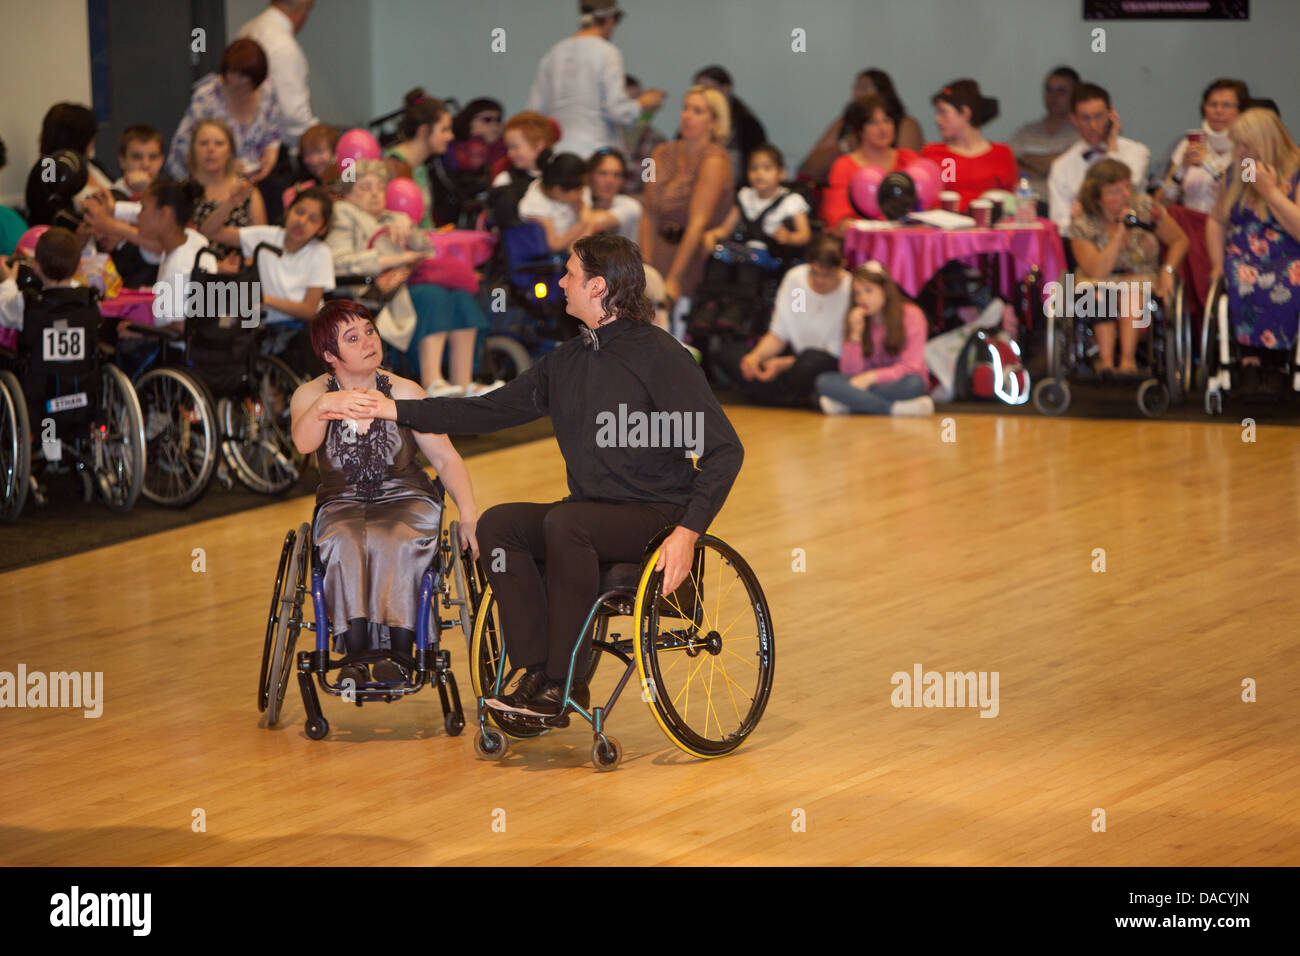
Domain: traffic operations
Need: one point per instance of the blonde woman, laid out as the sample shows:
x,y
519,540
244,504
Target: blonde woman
x,y
213,165
1253,233
691,191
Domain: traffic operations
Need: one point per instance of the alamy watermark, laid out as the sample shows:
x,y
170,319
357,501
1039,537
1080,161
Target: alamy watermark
x,y
182,298
1100,300
950,689
77,909
77,689
638,429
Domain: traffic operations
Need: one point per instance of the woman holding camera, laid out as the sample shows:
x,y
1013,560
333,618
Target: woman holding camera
x,y
1116,238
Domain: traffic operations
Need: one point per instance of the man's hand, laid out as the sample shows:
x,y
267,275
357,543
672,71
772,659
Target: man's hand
x,y
1112,141
774,367
749,367
357,403
675,557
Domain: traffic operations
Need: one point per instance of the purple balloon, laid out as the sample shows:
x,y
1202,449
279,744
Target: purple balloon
x,y
925,173
404,196
357,144
863,188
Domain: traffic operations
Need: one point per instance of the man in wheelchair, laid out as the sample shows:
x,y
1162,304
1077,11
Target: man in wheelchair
x,y
629,405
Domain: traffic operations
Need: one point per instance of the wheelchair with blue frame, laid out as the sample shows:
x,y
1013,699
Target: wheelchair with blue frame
x,y
703,656
1164,354
300,589
59,393
1222,371
214,404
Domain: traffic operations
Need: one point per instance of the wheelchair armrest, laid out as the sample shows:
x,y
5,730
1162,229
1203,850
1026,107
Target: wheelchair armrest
x,y
166,333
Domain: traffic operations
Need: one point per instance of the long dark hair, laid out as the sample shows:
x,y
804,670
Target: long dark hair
x,y
891,312
178,195
618,261
421,109
67,126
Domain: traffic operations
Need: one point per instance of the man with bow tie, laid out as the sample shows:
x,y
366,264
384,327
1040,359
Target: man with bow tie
x,y
625,483
1098,124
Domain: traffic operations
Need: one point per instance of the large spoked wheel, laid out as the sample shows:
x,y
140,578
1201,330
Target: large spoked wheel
x,y
258,429
288,624
273,619
1216,302
466,577
118,441
180,435
504,358
15,448
705,651
491,657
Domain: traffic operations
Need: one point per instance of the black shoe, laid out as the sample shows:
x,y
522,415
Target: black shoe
x,y
390,672
528,685
357,673
548,701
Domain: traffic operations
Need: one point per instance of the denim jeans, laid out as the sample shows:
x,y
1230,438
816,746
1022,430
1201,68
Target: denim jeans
x,y
875,400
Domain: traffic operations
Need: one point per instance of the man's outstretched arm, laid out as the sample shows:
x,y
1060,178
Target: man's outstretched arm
x,y
522,400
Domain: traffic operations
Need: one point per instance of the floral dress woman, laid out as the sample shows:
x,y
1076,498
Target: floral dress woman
x,y
1262,273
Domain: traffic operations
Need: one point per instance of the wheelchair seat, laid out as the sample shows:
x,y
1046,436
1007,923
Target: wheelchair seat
x,y
622,576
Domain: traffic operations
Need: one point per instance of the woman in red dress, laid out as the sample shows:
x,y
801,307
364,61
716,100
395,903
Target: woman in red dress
x,y
968,163
867,122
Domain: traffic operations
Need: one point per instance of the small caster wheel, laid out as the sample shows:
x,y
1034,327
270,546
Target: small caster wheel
x,y
490,743
316,730
606,753
1153,398
1052,396
1214,403
454,724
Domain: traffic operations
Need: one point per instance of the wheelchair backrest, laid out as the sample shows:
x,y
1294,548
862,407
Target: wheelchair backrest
x,y
219,344
59,350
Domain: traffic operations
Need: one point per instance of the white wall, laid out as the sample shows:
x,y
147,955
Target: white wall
x,y
33,38
1154,71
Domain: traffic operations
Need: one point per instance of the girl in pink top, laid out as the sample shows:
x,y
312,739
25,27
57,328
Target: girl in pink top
x,y
882,364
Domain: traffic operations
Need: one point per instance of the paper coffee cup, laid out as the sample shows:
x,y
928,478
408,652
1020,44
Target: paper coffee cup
x,y
1196,136
982,211
950,201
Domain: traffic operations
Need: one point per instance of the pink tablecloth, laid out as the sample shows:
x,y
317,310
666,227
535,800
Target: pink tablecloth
x,y
133,304
914,253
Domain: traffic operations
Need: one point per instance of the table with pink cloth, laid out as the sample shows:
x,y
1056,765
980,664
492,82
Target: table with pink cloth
x,y
913,254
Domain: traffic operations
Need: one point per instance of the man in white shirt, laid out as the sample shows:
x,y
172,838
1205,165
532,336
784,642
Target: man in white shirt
x,y
581,84
1098,124
275,29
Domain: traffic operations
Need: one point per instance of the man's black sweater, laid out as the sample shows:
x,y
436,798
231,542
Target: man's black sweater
x,y
628,404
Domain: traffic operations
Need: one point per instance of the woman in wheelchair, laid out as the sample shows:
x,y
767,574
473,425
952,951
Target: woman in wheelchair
x,y
623,487
1253,236
1116,238
377,512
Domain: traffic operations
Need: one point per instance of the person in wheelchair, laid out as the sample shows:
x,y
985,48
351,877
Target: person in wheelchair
x,y
377,512
765,232
1253,239
367,239
58,253
1116,238
624,485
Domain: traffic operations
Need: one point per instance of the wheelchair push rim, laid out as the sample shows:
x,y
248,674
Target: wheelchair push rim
x,y
489,657
257,429
15,448
288,624
182,456
710,640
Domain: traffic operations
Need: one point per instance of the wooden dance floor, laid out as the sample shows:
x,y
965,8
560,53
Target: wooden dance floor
x,y
882,548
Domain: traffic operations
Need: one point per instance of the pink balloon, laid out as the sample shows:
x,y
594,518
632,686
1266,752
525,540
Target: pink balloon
x,y
357,144
862,192
404,196
27,242
925,173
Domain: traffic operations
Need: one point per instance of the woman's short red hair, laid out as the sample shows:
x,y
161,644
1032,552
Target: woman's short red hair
x,y
329,323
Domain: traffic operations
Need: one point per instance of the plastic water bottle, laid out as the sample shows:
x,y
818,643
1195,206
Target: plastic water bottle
x,y
1026,202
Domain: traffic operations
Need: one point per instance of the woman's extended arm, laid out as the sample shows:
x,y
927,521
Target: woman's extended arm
x,y
312,407
304,310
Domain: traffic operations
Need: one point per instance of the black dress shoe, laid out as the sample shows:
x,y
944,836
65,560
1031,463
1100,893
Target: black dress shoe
x,y
528,685
390,672
549,702
357,673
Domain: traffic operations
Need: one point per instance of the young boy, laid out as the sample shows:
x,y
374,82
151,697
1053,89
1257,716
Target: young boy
x,y
58,253
140,154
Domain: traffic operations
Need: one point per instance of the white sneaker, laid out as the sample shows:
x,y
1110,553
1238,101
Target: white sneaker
x,y
473,390
444,389
913,407
832,407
